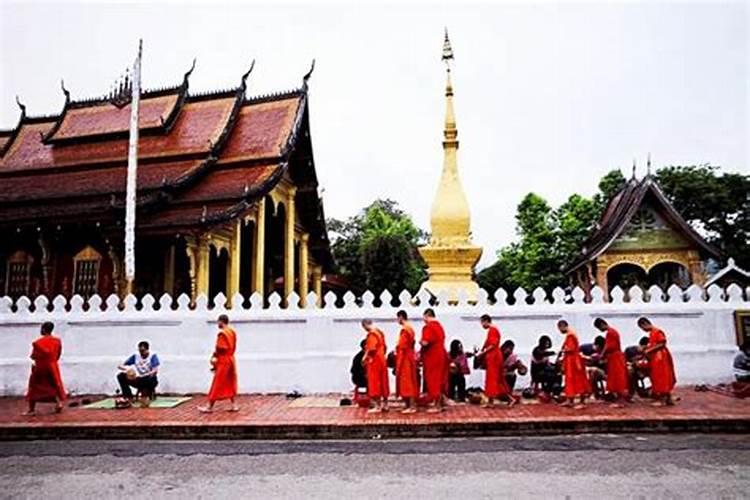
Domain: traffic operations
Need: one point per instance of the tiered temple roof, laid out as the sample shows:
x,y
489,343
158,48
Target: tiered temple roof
x,y
620,211
203,159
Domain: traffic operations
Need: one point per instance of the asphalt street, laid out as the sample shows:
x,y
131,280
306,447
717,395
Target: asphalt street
x,y
581,466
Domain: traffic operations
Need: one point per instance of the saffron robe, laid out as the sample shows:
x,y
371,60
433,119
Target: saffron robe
x,y
573,367
406,364
617,368
495,385
434,360
377,367
224,384
661,366
45,382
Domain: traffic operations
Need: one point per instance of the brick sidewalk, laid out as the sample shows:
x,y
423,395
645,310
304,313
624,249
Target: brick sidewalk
x,y
274,416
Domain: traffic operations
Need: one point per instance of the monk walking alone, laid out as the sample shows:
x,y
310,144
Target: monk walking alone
x,y
224,366
495,386
616,367
434,360
376,366
45,382
574,369
407,387
660,364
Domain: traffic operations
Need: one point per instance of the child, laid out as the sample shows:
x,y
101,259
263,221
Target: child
x,y
459,368
512,364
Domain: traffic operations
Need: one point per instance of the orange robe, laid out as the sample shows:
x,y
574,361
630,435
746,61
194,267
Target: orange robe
x,y
495,385
661,366
377,367
45,382
617,368
406,364
434,360
224,385
573,367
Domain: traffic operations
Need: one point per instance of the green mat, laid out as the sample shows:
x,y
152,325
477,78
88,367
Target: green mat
x,y
159,402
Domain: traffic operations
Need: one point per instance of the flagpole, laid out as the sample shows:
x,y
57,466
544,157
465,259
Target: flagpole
x,y
132,176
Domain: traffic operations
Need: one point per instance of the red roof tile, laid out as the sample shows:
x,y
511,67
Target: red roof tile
x,y
197,127
106,118
262,130
89,182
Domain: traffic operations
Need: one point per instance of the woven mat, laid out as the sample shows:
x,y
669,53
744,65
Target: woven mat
x,y
159,402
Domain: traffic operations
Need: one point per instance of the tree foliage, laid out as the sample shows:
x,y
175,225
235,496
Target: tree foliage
x,y
717,204
376,249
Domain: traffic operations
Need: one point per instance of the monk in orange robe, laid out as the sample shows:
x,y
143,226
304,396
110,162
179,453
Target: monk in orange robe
x,y
407,387
495,385
224,366
376,366
660,364
434,360
45,382
618,383
574,369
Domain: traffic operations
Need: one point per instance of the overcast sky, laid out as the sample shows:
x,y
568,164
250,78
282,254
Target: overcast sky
x,y
548,96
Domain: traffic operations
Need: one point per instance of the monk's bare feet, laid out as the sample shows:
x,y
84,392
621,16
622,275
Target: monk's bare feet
x,y
579,406
434,409
512,402
28,414
407,411
205,409
617,405
234,409
657,404
373,410
567,404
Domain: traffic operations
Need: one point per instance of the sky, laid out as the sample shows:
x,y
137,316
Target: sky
x,y
548,96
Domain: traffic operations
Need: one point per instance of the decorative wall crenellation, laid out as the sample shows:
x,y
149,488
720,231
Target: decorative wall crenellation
x,y
520,298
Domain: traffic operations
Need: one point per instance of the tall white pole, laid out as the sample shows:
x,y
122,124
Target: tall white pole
x,y
130,194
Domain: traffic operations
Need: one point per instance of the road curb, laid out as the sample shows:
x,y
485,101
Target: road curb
x,y
224,431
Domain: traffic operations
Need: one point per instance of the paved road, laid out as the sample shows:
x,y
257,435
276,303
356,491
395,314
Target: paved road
x,y
597,466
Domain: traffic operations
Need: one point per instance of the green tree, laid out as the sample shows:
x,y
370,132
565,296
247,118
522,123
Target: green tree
x,y
376,249
718,205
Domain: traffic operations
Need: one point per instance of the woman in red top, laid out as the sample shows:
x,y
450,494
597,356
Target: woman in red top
x,y
574,369
407,387
45,382
616,367
660,364
495,386
376,367
224,366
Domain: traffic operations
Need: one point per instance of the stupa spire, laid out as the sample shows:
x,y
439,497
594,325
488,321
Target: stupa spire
x,y
450,256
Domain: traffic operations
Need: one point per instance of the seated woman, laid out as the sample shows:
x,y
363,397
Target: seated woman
x,y
545,375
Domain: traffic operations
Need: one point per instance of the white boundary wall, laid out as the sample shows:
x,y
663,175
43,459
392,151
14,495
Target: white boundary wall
x,y
310,349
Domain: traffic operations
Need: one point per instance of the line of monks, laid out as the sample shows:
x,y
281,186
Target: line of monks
x,y
45,382
435,362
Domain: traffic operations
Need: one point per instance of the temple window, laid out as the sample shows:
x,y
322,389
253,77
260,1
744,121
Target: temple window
x,y
18,274
86,272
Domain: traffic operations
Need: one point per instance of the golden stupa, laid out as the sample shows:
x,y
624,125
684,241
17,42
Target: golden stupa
x,y
450,255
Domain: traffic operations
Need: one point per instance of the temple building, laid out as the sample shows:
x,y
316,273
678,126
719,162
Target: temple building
x,y
641,239
227,197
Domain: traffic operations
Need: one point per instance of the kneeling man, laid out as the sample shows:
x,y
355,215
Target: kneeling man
x,y
139,371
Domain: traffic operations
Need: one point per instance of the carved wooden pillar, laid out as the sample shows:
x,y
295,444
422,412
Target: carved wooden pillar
x,y
169,263
304,275
317,280
289,243
233,261
259,248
